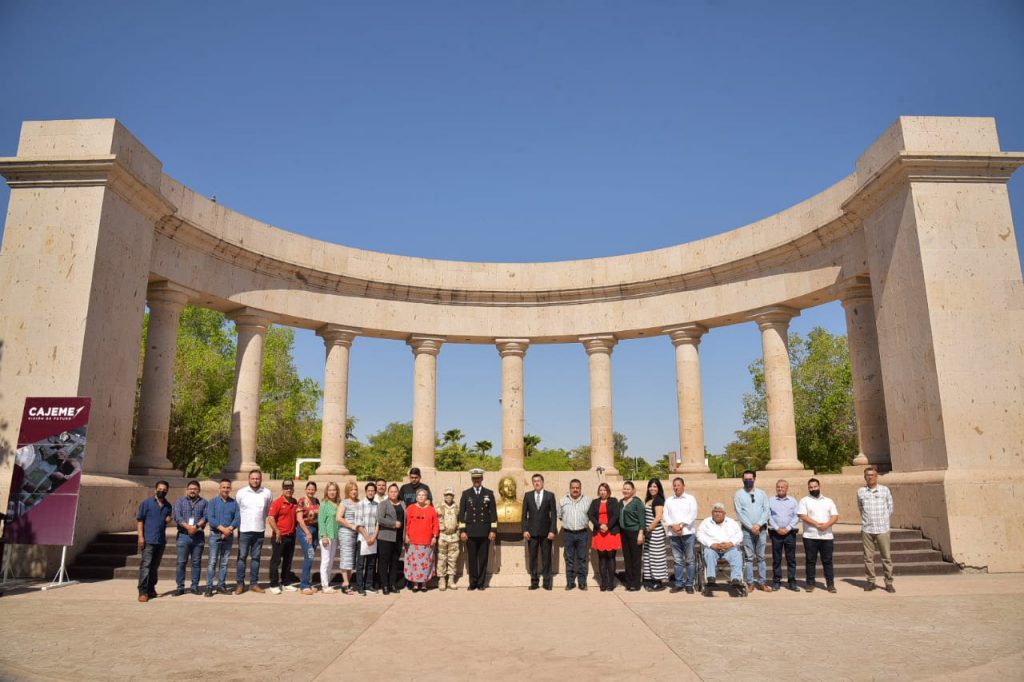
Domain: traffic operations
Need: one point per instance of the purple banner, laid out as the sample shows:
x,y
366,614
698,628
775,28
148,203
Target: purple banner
x,y
47,472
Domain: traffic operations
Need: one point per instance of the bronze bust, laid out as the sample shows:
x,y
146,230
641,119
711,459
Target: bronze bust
x,y
510,509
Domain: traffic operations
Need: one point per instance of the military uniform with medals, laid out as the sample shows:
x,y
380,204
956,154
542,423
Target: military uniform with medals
x,y
478,518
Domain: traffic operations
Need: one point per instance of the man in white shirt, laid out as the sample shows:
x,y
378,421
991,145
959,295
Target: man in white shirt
x,y
819,514
678,518
253,504
721,538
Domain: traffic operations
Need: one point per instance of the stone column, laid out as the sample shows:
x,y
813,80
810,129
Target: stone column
x,y
245,413
866,367
512,352
338,341
424,399
686,339
778,379
602,435
166,301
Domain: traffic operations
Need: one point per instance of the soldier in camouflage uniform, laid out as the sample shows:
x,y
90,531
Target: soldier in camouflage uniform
x,y
448,542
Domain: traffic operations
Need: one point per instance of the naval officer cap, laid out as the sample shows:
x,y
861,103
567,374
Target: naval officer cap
x,y
476,473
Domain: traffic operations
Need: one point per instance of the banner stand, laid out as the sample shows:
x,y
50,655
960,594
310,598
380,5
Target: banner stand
x,y
61,579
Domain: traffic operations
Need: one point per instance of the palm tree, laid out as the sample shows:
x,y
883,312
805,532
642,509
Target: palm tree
x,y
483,446
530,443
453,436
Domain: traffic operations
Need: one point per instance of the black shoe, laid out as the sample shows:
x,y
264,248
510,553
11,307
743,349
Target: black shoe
x,y
658,586
793,587
870,587
831,589
471,588
570,587
208,592
583,588
711,580
809,588
179,592
675,589
776,587
689,589
386,591
224,589
481,588
195,591
547,587
362,593
707,590
534,586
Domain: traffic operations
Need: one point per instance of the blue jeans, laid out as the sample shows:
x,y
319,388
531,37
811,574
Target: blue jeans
x,y
190,550
220,552
574,547
682,559
149,568
732,555
308,552
250,544
753,550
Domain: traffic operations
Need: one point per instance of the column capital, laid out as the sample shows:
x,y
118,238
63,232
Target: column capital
x,y
773,316
257,320
854,291
166,291
513,347
430,345
689,333
337,335
598,343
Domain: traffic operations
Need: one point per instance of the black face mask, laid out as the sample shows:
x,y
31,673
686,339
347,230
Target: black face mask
x,y
161,494
815,493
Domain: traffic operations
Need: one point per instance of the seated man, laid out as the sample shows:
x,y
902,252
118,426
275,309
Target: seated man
x,y
721,538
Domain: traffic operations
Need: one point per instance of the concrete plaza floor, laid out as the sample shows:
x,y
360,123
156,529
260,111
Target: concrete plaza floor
x,y
934,627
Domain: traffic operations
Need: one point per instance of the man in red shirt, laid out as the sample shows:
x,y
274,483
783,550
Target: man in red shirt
x,y
281,519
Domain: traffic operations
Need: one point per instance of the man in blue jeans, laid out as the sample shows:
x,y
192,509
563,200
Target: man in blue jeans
x,y
223,518
752,512
253,504
572,510
678,518
721,537
190,515
153,516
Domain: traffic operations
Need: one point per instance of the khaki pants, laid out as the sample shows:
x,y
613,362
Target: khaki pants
x,y
447,555
881,542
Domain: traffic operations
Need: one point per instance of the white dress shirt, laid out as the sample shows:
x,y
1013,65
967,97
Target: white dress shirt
x,y
711,533
680,510
819,509
253,506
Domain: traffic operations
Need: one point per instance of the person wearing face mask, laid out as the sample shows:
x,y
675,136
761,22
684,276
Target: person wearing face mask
x,y
751,505
190,515
819,514
153,516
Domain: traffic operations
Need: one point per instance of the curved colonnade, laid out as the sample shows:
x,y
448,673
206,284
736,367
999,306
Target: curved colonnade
x,y
917,243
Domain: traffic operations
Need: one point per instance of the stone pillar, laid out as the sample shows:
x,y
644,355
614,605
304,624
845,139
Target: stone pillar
x,y
338,341
866,367
512,352
778,380
686,339
424,399
166,301
602,433
245,413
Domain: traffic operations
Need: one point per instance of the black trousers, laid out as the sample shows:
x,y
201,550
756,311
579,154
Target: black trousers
x,y
606,568
478,552
366,570
632,556
281,552
149,567
540,565
388,564
811,550
783,544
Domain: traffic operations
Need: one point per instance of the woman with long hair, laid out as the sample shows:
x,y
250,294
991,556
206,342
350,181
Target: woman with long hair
x,y
308,519
631,528
327,523
654,561
348,536
604,516
391,521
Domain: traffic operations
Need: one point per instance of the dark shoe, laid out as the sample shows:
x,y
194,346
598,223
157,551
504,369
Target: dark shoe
x,y
153,595
890,589
870,587
570,587
208,592
776,587
793,587
583,588
658,586
707,590
534,586
675,589
386,591
831,589
179,592
195,591
362,593
547,586
471,587
481,588
711,580
689,589
809,588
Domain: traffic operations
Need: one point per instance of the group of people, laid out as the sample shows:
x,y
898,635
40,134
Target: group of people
x,y
386,535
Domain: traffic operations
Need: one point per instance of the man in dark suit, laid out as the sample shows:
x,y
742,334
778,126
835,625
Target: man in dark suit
x,y
478,524
540,523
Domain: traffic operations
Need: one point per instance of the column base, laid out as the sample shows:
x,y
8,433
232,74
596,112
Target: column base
x,y
785,465
331,470
143,470
694,476
608,471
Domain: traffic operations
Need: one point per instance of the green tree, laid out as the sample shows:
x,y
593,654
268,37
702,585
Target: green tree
x,y
483,446
555,459
453,437
579,458
826,429
530,443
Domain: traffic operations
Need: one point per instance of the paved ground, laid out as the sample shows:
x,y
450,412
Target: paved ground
x,y
935,627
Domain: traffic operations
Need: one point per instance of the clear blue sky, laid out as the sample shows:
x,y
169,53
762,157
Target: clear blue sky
x,y
527,131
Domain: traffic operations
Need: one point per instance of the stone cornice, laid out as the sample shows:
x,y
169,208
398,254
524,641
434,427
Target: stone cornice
x,y
909,166
95,171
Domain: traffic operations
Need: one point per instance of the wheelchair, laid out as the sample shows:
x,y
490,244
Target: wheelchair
x,y
722,568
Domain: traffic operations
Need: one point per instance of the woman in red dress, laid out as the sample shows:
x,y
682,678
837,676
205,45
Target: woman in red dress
x,y
421,531
604,515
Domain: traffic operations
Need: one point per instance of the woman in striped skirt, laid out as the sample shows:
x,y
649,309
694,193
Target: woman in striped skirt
x,y
655,563
347,535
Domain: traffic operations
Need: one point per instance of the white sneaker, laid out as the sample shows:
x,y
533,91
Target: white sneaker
x,y
290,588
274,590
328,590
